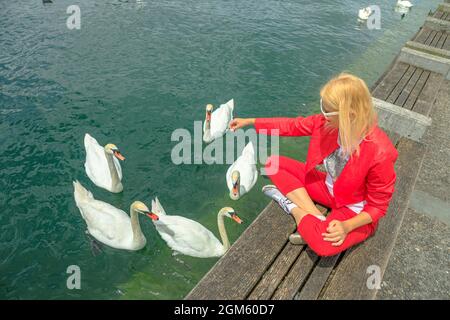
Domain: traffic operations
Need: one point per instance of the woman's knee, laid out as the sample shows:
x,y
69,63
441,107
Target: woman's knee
x,y
325,249
311,231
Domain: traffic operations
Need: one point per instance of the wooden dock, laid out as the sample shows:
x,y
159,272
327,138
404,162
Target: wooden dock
x,y
262,264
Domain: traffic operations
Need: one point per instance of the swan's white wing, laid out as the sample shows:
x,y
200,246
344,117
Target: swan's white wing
x,y
187,236
246,165
221,118
249,153
105,222
157,207
96,164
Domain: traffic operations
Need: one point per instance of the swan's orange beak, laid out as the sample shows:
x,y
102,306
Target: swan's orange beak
x,y
208,116
118,155
235,217
152,216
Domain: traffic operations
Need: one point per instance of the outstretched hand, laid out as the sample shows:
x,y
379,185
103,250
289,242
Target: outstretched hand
x,y
238,123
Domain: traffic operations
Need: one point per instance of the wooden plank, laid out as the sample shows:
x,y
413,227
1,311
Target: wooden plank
x,y
277,271
239,270
401,84
430,37
436,39
438,14
409,87
441,42
446,45
422,35
316,281
390,80
412,98
296,276
349,280
426,98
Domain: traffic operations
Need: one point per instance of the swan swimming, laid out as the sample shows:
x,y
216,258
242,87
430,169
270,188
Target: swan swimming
x,y
189,237
404,4
102,164
216,123
242,174
110,225
364,13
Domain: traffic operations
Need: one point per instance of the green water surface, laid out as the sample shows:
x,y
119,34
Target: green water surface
x,y
132,74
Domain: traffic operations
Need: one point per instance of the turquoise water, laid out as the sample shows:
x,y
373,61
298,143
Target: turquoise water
x,y
131,75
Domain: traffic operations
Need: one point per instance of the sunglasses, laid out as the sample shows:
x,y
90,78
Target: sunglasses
x,y
327,114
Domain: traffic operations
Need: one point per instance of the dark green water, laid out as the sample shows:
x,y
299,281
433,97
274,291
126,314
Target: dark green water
x,y
130,76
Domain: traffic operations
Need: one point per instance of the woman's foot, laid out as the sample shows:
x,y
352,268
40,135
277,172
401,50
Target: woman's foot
x,y
272,192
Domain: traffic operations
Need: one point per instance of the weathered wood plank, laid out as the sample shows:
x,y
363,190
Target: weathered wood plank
x,y
436,39
277,271
239,270
412,98
426,98
441,42
349,280
390,80
401,84
422,35
409,87
316,281
438,14
297,275
430,37
446,45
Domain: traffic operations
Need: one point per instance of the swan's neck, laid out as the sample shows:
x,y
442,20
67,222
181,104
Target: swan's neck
x,y
223,231
207,133
112,169
135,226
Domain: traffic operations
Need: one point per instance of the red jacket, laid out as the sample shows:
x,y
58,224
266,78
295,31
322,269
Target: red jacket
x,y
369,176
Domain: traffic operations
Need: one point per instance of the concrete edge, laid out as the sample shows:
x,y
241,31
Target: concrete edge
x,y
425,61
444,7
437,24
442,53
404,122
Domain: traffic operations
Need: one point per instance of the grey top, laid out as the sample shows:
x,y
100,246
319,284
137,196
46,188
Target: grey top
x,y
335,163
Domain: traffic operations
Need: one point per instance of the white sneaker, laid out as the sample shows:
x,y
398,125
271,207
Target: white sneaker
x,y
272,192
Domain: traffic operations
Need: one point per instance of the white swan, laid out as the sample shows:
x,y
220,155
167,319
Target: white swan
x,y
110,225
242,174
102,166
216,123
364,13
404,4
189,237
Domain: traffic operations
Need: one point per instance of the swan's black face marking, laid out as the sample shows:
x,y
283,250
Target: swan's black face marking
x,y
117,154
236,218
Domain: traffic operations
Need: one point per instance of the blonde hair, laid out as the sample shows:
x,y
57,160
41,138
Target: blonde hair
x,y
350,96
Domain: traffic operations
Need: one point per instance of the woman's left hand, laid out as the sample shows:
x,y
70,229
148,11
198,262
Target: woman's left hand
x,y
336,233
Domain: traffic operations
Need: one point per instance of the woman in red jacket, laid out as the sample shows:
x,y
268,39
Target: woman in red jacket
x,y
358,158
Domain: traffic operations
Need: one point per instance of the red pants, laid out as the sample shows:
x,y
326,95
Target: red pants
x,y
290,176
